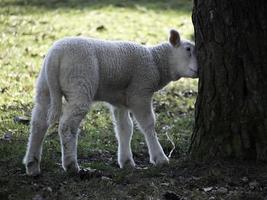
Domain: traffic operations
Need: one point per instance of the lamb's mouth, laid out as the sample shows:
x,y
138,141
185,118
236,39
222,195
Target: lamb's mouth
x,y
195,72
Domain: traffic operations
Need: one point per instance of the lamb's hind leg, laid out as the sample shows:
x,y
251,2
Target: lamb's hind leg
x,y
124,129
143,113
37,131
73,113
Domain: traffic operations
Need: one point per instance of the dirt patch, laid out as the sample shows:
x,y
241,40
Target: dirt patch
x,y
181,180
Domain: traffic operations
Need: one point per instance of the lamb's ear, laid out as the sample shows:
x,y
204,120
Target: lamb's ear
x,y
174,38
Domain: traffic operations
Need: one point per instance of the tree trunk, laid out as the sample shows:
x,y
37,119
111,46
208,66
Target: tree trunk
x,y
231,107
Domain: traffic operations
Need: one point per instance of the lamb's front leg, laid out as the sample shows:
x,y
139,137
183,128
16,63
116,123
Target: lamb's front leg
x,y
124,129
143,113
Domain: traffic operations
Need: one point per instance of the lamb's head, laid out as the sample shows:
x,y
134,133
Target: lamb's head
x,y
183,62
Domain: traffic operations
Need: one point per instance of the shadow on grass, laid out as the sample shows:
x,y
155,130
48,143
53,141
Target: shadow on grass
x,y
179,5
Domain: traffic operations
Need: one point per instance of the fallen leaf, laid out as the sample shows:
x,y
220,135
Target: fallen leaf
x,y
207,189
7,136
101,28
22,120
88,173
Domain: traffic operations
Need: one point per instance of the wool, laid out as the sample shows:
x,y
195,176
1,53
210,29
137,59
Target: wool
x,y
123,74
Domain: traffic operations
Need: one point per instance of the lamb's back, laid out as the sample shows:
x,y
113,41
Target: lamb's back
x,y
114,58
119,65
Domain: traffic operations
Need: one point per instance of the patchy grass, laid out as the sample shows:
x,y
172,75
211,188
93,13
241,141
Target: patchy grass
x,y
27,29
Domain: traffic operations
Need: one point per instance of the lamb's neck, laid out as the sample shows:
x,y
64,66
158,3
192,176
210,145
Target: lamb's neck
x,y
161,55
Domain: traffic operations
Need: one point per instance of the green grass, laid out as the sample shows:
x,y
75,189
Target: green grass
x,y
28,28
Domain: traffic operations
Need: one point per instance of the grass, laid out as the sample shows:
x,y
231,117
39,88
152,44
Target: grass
x,y
27,29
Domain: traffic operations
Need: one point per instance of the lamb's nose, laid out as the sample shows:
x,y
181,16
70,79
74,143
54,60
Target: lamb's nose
x,y
198,71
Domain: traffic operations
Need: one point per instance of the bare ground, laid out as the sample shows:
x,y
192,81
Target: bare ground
x,y
180,180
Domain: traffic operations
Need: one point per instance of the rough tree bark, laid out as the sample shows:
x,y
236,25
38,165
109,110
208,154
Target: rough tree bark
x,y
231,107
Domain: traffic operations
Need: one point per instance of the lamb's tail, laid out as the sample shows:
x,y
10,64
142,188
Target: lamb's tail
x,y
52,65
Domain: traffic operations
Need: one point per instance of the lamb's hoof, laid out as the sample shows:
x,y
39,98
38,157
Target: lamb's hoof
x,y
33,168
160,160
127,164
72,168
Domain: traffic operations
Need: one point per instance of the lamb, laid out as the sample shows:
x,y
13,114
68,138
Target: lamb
x,y
123,74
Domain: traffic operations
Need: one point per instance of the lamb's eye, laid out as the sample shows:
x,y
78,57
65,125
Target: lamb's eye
x,y
188,50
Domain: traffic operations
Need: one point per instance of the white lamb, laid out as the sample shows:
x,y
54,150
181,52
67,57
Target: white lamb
x,y
124,74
